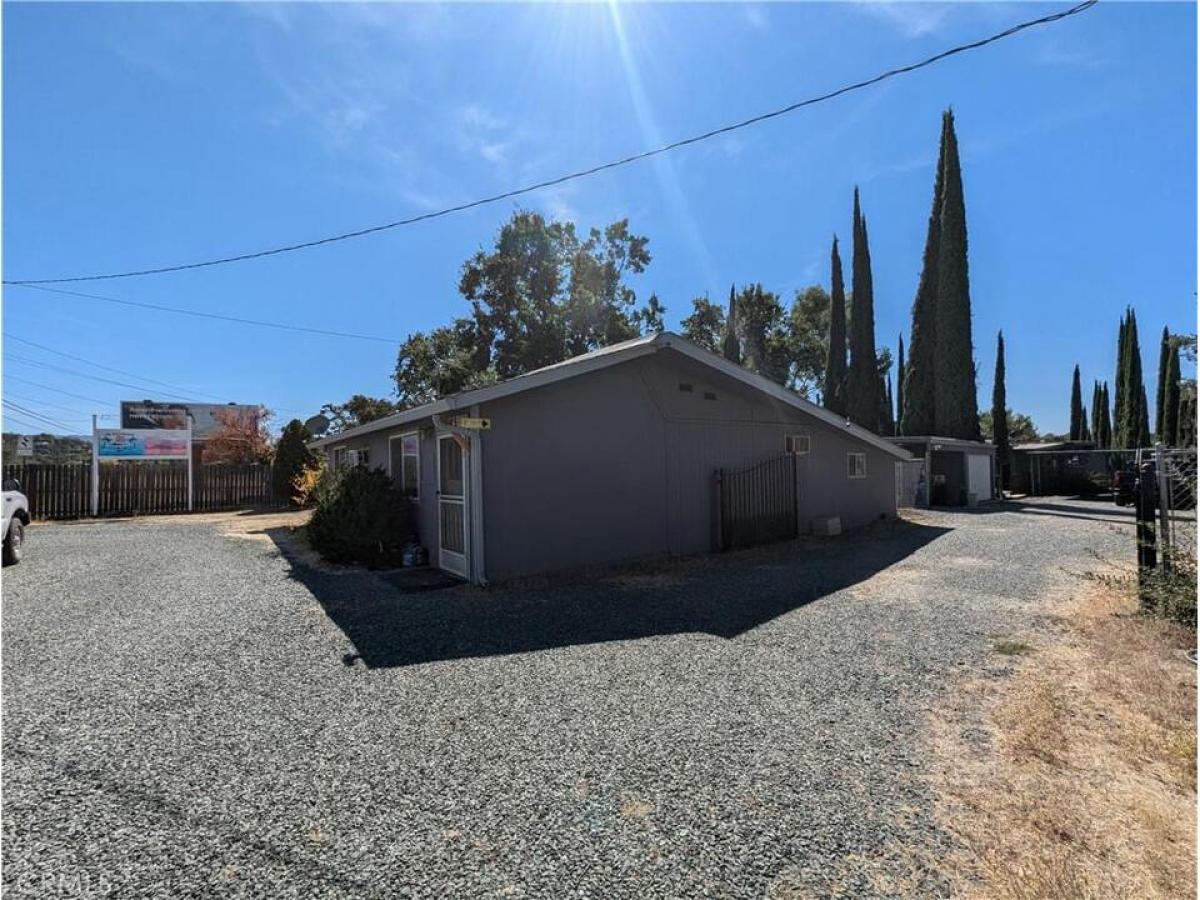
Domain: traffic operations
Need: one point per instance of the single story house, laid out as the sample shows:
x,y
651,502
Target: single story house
x,y
611,456
1043,468
955,472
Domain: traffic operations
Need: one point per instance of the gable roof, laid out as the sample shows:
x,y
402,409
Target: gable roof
x,y
612,355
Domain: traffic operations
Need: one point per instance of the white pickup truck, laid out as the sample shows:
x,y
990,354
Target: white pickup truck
x,y
16,517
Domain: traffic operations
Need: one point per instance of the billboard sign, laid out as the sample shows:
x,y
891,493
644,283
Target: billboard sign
x,y
149,414
206,418
142,443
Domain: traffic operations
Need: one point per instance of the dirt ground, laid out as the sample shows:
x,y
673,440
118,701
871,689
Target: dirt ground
x,y
1076,778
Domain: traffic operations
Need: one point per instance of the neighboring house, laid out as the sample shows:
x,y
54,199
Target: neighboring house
x,y
955,472
611,456
1062,467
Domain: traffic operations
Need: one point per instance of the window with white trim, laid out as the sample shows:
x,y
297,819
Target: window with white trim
x,y
405,463
361,456
797,444
856,465
341,458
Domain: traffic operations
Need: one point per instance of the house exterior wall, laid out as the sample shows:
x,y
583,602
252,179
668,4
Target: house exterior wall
x,y
573,475
618,464
377,445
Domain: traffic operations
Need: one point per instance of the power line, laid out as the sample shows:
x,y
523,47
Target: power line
x,y
70,409
46,387
584,173
13,337
43,365
88,362
25,411
35,427
207,315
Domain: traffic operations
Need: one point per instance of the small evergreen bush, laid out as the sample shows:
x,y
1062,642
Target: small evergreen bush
x,y
361,516
292,457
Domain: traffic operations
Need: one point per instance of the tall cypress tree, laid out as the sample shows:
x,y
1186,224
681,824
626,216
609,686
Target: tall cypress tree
x,y
1105,438
835,361
1133,425
900,372
1160,398
1077,418
1186,428
862,382
1097,403
1118,418
956,410
1143,420
731,346
887,425
1170,435
917,410
1000,413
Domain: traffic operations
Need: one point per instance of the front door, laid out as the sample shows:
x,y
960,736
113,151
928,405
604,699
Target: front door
x,y
452,506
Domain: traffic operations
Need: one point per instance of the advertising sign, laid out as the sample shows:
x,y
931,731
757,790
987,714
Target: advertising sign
x,y
24,445
149,414
142,443
206,418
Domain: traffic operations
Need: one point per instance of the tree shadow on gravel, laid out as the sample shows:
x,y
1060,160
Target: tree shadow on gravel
x,y
1088,509
724,595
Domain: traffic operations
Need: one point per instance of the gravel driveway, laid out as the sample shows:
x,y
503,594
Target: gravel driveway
x,y
184,714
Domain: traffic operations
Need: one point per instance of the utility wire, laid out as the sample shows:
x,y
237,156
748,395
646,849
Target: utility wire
x,y
25,411
46,387
51,366
69,409
34,427
207,315
12,337
214,397
583,173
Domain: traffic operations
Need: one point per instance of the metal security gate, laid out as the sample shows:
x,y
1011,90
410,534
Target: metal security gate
x,y
757,504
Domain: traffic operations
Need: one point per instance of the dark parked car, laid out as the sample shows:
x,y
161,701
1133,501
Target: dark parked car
x,y
1124,485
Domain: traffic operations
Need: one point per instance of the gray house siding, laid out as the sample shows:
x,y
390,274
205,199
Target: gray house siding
x,y
617,463
573,475
378,445
722,423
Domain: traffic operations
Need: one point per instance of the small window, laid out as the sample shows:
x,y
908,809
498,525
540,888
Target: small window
x,y
856,465
359,457
685,387
341,458
406,463
710,395
796,443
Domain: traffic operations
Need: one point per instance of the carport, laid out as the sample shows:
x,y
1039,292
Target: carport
x,y
948,471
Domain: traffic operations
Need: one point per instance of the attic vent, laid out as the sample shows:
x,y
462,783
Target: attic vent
x,y
710,395
685,387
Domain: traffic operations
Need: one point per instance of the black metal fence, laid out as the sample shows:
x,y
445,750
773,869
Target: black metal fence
x,y
757,504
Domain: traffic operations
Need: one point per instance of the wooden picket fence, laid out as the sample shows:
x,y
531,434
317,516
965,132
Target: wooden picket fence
x,y
140,488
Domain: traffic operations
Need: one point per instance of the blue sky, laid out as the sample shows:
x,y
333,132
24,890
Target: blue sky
x,y
151,134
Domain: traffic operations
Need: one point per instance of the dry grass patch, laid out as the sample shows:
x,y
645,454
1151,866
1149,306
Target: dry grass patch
x,y
1076,777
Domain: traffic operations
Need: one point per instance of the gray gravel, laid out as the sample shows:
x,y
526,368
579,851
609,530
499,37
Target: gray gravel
x,y
185,715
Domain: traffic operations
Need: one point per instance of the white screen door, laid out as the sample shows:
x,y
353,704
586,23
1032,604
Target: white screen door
x,y
452,507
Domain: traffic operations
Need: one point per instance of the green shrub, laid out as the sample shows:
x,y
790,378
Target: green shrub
x,y
1170,590
361,516
292,457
